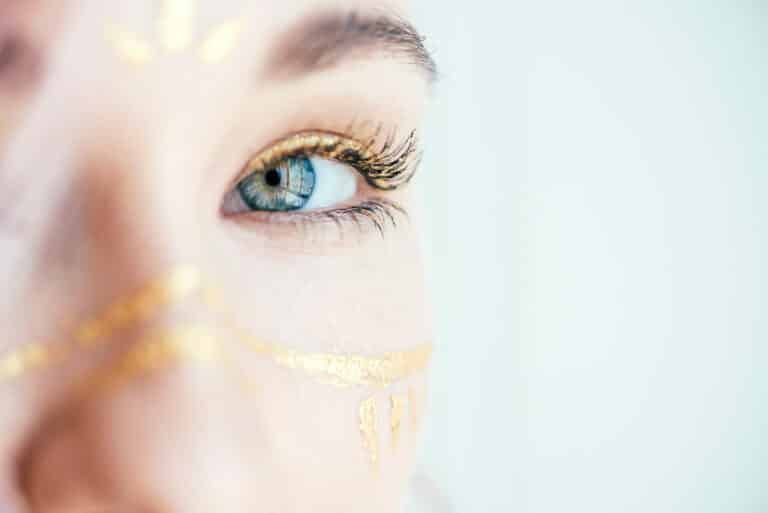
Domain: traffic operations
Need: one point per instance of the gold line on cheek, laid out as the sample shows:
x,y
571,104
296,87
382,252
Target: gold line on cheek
x,y
367,415
340,370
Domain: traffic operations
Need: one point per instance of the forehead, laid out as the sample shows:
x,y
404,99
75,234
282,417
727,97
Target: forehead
x,y
260,12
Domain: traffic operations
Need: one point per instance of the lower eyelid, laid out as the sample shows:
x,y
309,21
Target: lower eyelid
x,y
372,216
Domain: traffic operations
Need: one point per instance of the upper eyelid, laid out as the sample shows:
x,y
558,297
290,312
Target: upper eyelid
x,y
308,142
384,166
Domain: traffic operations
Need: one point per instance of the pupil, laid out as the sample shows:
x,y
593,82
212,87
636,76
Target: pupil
x,y
273,178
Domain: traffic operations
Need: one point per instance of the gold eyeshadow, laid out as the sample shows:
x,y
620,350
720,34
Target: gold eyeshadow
x,y
384,165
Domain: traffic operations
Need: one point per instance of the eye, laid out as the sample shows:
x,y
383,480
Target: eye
x,y
293,183
323,178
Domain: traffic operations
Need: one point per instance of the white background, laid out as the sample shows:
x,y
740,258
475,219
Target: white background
x,y
597,182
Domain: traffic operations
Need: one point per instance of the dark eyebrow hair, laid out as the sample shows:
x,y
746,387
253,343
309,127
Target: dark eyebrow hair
x,y
323,40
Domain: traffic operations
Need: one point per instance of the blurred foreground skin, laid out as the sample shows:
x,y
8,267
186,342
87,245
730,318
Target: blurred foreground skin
x,y
157,355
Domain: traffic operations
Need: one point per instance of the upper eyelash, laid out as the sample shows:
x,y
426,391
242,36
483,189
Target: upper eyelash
x,y
390,167
387,168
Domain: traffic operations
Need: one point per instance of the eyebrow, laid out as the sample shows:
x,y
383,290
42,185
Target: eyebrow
x,y
325,40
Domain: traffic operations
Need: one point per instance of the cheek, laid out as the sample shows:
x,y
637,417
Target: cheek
x,y
364,297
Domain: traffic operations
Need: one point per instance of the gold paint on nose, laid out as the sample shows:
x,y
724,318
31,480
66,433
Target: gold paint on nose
x,y
164,293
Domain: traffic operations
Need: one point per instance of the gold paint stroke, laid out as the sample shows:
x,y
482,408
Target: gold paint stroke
x,y
413,407
176,23
396,418
343,370
175,29
194,344
336,369
165,292
221,42
367,414
129,46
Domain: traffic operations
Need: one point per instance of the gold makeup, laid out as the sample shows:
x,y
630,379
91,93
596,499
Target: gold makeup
x,y
413,408
340,370
180,284
347,370
193,344
199,344
175,23
385,168
164,293
176,27
367,415
396,418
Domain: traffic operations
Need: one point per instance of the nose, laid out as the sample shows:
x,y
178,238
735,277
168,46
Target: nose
x,y
154,418
164,429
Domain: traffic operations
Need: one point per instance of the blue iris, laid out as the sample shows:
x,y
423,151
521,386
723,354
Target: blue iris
x,y
287,186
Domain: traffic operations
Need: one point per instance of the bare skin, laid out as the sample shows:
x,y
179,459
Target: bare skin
x,y
112,174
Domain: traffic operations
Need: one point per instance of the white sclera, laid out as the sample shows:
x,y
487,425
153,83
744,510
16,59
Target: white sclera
x,y
335,183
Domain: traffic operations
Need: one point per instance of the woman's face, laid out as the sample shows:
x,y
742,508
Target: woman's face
x,y
212,287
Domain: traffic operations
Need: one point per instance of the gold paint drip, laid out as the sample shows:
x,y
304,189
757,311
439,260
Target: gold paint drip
x,y
367,415
413,407
396,419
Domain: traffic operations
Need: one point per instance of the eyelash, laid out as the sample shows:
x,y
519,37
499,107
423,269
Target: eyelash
x,y
378,213
385,166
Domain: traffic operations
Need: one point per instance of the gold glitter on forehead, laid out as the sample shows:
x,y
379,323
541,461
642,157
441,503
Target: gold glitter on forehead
x,y
176,29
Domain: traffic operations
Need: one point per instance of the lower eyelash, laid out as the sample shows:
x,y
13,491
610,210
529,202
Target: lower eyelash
x,y
379,214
